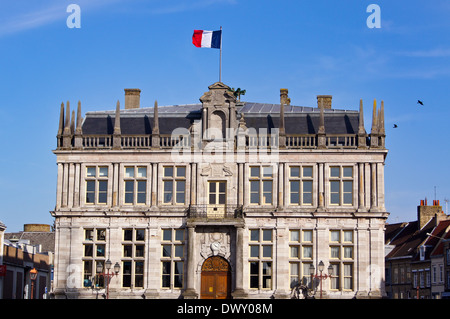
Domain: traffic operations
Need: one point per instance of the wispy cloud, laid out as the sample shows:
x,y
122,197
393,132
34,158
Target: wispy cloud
x,y
32,19
30,15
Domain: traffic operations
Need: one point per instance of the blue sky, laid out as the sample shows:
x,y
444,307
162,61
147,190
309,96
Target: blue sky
x,y
309,47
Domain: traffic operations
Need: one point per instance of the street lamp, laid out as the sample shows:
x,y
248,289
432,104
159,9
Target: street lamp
x,y
321,276
33,276
107,276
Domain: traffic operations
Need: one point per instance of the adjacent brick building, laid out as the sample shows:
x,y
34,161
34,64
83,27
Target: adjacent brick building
x,y
416,251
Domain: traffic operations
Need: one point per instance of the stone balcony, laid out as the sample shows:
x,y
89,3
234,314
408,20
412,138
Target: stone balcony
x,y
215,214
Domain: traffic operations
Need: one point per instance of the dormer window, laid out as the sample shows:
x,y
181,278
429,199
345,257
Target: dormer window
x,y
422,252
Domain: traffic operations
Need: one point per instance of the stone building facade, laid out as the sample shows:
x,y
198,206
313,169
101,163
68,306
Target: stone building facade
x,y
220,199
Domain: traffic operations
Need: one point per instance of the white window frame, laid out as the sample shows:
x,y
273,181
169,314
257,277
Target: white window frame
x,y
174,180
96,179
300,262
134,243
136,180
342,261
173,244
261,181
341,179
301,179
98,239
261,259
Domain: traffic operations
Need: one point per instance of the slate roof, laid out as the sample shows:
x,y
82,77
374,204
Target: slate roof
x,y
406,237
441,231
298,119
45,239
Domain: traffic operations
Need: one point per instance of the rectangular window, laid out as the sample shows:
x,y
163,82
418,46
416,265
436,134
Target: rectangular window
x,y
260,258
254,274
133,257
174,185
342,259
341,185
94,254
348,276
135,180
335,279
300,257
261,185
267,275
216,199
172,258
96,184
300,184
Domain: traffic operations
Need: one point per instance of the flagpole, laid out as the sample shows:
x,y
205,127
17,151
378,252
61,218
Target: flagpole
x,y
220,56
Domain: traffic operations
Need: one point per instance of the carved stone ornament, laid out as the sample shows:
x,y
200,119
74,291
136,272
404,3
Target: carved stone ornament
x,y
215,247
215,243
216,263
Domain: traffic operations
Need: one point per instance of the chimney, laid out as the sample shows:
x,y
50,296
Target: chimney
x,y
425,212
284,99
132,98
324,100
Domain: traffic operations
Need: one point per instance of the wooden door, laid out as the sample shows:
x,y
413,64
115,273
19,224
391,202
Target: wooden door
x,y
216,279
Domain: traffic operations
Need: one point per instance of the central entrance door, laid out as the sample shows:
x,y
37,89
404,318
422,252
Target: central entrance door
x,y
216,279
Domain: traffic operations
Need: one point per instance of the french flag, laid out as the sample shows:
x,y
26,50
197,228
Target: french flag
x,y
207,39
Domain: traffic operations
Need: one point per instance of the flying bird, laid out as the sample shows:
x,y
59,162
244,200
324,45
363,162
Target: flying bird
x,y
395,126
419,102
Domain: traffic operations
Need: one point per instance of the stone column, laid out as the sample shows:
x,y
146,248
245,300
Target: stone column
x,y
373,202
65,184
376,259
114,249
321,189
239,292
154,263
322,251
282,267
281,188
154,177
361,187
193,184
115,181
76,196
240,184
71,184
380,186
59,187
367,192
190,292
362,258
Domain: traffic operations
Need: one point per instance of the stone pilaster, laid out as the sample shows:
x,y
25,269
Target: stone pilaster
x,y
239,292
190,292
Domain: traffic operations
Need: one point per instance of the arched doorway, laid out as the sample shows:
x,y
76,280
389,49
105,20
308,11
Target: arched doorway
x,y
216,279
